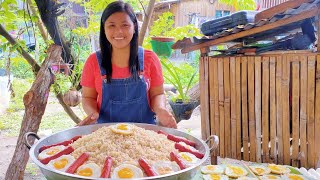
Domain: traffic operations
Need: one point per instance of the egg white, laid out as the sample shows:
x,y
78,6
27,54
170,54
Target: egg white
x,y
131,170
260,170
234,171
247,178
188,158
212,169
187,146
269,177
93,167
55,162
215,177
165,167
292,177
51,151
122,128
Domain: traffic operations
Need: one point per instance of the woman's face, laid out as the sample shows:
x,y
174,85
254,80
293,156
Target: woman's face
x,y
119,30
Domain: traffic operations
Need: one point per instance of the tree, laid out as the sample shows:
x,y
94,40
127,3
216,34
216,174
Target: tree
x,y
240,4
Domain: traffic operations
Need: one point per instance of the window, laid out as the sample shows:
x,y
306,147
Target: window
x,y
221,13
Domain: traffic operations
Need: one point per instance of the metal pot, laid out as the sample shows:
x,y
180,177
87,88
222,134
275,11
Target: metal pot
x,y
52,174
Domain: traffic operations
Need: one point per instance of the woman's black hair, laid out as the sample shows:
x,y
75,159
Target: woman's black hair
x,y
105,45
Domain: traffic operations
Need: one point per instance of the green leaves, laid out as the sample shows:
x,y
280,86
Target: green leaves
x,y
240,4
182,77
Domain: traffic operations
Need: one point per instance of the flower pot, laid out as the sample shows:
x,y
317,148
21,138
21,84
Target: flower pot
x,y
183,110
72,97
162,45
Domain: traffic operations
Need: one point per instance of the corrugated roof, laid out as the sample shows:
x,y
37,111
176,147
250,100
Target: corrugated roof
x,y
290,12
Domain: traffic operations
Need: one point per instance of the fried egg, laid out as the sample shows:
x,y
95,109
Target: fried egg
x,y
62,163
188,158
235,171
215,177
212,169
122,128
126,171
165,167
247,178
260,170
269,177
278,169
292,177
51,151
89,170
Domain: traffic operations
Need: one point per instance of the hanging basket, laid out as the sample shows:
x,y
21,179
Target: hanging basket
x,y
162,45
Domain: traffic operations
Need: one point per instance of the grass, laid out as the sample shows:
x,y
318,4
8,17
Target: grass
x,y
55,118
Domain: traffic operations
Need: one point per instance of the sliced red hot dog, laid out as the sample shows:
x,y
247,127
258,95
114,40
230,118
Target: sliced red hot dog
x,y
162,132
178,160
180,139
77,163
107,168
146,167
65,151
182,148
65,143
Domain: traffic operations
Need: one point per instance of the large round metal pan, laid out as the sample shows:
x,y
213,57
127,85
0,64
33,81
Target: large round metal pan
x,y
52,174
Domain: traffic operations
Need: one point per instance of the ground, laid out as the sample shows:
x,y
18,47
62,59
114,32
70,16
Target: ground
x,y
8,143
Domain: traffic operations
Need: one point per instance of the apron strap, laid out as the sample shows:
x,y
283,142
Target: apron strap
x,y
140,58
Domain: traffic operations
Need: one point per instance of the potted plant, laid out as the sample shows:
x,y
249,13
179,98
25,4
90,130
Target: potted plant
x,y
181,104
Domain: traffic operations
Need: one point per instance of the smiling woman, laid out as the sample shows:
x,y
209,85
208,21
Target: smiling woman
x,y
122,82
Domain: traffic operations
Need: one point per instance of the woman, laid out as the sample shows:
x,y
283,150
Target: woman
x,y
123,82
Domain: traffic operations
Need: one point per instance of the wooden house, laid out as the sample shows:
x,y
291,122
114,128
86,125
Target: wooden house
x,y
191,11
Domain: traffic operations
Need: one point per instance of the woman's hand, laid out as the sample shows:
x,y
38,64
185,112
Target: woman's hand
x,y
166,119
91,119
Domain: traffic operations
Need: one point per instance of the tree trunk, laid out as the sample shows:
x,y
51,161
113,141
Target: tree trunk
x,y
146,21
49,11
36,68
35,101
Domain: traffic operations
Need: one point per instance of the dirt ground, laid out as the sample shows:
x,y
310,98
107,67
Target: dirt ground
x,y
7,145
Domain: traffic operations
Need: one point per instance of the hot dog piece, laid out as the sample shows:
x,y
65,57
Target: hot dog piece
x,y
146,167
107,168
65,143
66,151
178,160
195,152
77,163
180,139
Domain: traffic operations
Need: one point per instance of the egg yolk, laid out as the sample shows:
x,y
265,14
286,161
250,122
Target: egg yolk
x,y
236,170
293,177
214,177
125,173
123,127
210,167
85,172
53,151
259,170
60,164
186,157
164,170
277,168
272,177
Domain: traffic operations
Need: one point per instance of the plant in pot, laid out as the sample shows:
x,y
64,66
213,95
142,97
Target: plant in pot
x,y
180,77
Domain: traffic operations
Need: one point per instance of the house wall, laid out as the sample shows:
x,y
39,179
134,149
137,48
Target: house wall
x,y
264,4
185,9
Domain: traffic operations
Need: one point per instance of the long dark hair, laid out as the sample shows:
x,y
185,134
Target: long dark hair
x,y
105,45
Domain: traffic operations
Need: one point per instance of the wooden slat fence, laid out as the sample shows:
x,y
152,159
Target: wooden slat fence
x,y
264,108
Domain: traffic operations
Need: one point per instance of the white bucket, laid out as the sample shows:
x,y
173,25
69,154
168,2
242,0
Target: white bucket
x,y
5,92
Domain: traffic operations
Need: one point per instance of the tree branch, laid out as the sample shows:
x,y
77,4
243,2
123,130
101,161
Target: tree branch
x,y
146,21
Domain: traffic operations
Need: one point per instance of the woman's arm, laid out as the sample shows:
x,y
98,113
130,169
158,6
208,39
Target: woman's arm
x,y
90,104
158,105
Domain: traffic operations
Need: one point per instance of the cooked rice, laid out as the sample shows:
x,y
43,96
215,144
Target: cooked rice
x,y
124,148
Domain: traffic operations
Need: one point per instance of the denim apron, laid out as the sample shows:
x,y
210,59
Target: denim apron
x,y
125,100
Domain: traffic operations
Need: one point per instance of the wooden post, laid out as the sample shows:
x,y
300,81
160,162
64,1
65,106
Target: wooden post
x,y
35,101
